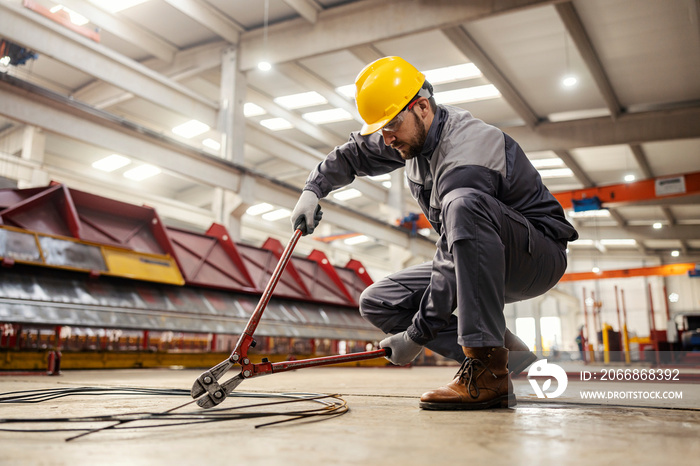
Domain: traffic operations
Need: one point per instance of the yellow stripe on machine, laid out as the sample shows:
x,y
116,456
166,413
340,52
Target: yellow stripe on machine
x,y
142,266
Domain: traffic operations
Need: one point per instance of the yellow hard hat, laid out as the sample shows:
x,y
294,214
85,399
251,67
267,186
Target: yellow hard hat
x,y
383,89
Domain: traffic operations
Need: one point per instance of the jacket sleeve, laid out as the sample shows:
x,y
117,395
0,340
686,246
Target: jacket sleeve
x,y
360,156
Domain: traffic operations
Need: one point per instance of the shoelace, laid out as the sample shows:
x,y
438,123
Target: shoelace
x,y
466,374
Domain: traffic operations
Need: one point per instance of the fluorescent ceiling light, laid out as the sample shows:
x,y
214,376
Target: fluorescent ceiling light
x,y
305,99
111,163
467,94
276,124
450,74
556,173
212,144
547,163
589,213
657,226
4,61
327,116
251,110
675,253
595,269
618,242
142,172
276,215
582,242
264,66
191,129
347,194
258,209
75,18
569,81
114,6
356,240
629,178
347,91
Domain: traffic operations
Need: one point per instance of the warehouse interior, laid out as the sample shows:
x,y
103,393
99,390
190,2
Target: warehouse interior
x,y
151,152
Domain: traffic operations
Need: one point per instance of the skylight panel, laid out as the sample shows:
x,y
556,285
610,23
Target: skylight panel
x,y
305,99
191,129
454,73
467,94
276,124
111,163
142,172
327,116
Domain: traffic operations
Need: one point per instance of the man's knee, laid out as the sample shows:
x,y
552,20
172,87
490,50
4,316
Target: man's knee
x,y
465,213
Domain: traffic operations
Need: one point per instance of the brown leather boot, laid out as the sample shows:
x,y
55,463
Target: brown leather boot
x,y
482,382
519,355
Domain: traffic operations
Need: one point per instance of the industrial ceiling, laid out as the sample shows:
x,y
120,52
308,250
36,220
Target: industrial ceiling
x,y
120,83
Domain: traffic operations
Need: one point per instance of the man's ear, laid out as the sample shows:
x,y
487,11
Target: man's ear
x,y
424,107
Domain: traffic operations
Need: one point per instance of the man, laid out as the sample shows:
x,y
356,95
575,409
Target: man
x,y
502,234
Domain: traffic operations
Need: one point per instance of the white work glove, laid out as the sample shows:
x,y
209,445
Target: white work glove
x,y
403,349
307,213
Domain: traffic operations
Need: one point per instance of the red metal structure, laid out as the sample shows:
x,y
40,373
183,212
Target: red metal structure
x,y
75,259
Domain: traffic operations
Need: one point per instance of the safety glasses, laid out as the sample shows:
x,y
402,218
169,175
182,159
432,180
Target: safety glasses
x,y
395,124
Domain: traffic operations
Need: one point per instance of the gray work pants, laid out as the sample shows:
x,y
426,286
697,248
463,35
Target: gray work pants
x,y
488,255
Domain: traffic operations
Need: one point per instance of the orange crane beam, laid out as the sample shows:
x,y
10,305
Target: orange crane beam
x,y
661,270
662,187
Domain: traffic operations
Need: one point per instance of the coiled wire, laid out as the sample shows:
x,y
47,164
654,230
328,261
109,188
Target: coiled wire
x,y
327,406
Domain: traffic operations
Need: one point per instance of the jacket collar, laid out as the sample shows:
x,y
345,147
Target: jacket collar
x,y
434,133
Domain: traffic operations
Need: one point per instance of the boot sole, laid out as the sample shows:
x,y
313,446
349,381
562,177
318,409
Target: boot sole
x,y
503,402
524,364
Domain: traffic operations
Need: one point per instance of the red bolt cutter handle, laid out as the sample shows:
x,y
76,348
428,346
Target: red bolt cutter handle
x,y
246,339
207,383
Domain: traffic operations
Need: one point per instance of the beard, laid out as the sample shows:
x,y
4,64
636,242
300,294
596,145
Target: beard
x,y
412,148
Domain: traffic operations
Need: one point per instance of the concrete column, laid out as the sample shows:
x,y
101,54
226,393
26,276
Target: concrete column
x,y
33,148
231,121
394,209
229,207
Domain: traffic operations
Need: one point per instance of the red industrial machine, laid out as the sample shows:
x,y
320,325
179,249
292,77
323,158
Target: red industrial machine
x,y
83,272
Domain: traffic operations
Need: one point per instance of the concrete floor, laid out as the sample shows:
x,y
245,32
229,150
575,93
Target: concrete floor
x,y
383,427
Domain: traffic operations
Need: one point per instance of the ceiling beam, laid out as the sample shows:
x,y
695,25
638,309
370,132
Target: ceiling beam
x,y
60,115
185,63
366,22
124,29
641,159
209,17
572,22
46,37
310,80
366,53
304,157
316,132
642,232
89,126
629,128
468,46
573,165
307,9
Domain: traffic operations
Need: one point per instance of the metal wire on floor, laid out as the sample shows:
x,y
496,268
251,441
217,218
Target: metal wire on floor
x,y
329,406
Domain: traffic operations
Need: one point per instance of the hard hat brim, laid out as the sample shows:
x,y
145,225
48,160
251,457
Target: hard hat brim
x,y
374,127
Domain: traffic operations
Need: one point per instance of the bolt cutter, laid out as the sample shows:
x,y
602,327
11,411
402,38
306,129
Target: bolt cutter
x,y
209,392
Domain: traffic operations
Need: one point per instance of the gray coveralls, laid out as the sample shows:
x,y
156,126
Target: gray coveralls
x,y
502,234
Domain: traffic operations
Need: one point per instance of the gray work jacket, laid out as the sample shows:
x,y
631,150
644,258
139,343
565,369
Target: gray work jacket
x,y
460,152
